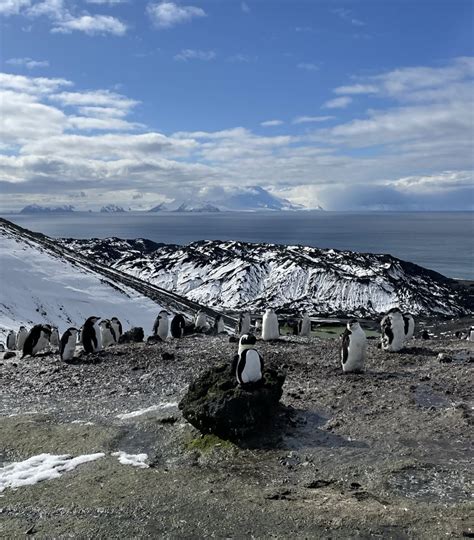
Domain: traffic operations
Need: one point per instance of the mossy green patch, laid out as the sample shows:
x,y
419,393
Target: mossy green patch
x,y
209,443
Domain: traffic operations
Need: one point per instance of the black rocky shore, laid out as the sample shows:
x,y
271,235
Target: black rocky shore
x,y
384,454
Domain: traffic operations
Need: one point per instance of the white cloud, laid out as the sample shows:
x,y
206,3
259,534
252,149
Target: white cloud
x,y
13,7
311,119
53,9
37,85
29,63
338,103
107,2
169,14
307,66
245,7
192,54
356,89
270,123
347,15
91,25
97,98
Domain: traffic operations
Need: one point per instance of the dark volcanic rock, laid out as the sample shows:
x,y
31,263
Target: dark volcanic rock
x,y
135,335
215,403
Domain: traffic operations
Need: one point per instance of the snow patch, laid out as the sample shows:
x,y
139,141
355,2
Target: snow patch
x,y
41,467
153,408
136,460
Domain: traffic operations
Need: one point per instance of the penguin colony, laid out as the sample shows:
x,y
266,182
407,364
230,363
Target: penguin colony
x,y
96,334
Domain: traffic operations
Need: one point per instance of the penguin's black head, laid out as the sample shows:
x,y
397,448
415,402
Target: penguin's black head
x,y
46,328
394,310
248,339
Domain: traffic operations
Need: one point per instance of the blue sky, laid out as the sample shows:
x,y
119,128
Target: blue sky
x,y
352,105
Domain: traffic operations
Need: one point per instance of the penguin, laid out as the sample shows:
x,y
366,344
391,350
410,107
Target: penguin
x,y
304,325
200,322
219,327
117,326
248,367
67,345
247,341
37,340
107,333
20,338
354,347
408,325
2,347
161,326
244,323
470,334
177,326
11,340
258,326
393,330
425,335
270,327
54,339
91,339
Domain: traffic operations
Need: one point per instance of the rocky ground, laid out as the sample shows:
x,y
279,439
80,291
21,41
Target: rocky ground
x,y
381,455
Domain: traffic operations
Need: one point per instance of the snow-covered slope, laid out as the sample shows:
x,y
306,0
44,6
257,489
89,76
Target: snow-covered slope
x,y
238,275
38,285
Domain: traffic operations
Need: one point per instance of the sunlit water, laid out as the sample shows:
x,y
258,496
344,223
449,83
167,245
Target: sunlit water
x,y
442,241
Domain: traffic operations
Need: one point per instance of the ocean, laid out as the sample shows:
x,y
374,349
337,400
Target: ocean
x,y
441,241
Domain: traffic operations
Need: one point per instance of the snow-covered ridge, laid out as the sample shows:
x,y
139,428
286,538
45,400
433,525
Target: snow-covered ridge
x,y
237,275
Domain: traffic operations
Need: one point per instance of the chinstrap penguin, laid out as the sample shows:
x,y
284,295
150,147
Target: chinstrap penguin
x,y
37,340
117,326
219,327
67,345
200,322
270,326
244,323
304,325
248,367
107,333
21,337
393,330
54,338
11,340
91,338
470,334
247,341
353,348
161,326
178,324
408,325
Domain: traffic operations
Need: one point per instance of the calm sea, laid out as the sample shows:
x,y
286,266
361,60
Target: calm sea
x,y
441,241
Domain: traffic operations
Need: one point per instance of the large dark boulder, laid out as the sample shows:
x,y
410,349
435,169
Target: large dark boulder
x,y
215,403
134,335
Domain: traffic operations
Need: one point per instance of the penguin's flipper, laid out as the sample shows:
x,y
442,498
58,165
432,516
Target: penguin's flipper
x,y
345,345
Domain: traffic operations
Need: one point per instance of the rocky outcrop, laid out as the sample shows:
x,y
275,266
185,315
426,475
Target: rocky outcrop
x,y
134,335
216,404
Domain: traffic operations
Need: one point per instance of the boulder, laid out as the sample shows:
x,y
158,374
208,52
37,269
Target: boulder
x,y
215,403
134,335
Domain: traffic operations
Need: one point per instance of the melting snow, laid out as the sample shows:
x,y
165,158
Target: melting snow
x,y
39,468
136,460
153,408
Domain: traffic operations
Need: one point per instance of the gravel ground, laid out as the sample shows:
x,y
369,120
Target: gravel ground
x,y
385,454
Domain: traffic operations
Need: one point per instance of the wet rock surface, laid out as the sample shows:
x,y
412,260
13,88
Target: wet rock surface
x,y
215,403
385,454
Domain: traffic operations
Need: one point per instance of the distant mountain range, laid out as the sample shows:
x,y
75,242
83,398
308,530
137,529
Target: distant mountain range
x,y
37,209
112,209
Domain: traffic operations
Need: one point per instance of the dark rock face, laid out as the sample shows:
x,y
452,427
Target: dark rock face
x,y
215,403
134,335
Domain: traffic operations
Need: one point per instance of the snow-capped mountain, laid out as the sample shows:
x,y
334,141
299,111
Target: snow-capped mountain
x,y
243,199
112,209
37,209
238,275
43,282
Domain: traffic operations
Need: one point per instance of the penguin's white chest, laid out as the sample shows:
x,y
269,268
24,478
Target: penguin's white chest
x,y
69,349
270,328
40,345
107,337
163,328
251,370
356,353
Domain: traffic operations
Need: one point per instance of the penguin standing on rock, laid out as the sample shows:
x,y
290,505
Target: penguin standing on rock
x,y
107,333
408,325
393,330
353,349
219,327
270,327
244,323
200,322
304,325
37,340
248,365
67,345
117,326
11,340
21,337
178,324
54,339
470,334
161,326
91,338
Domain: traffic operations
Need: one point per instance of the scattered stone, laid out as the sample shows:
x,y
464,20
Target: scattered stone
x,y
8,355
233,339
167,356
135,335
215,403
318,484
154,339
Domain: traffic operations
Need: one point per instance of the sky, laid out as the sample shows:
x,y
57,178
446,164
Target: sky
x,y
351,105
